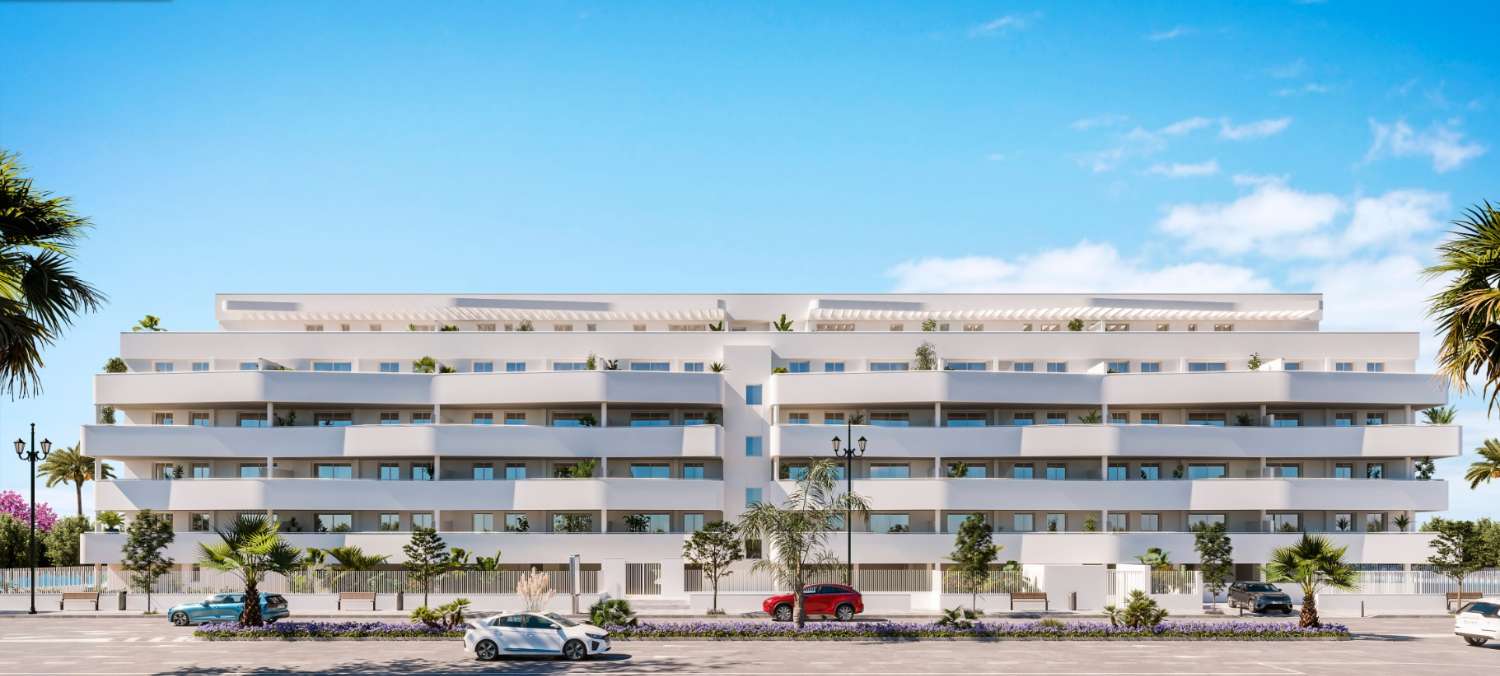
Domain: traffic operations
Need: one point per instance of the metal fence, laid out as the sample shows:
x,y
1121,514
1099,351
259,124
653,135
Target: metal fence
x,y
643,579
998,582
317,581
1421,582
1155,582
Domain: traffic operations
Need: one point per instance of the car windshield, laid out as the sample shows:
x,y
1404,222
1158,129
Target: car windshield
x,y
1261,587
561,620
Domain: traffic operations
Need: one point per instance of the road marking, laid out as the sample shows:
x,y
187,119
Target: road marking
x,y
55,640
158,639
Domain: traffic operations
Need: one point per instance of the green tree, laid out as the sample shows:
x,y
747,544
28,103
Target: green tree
x,y
148,323
713,549
797,530
63,543
70,465
1215,556
40,295
1156,559
1312,562
251,549
929,325
115,365
926,357
145,539
1439,415
1482,471
973,552
426,558
15,543
1466,307
1460,549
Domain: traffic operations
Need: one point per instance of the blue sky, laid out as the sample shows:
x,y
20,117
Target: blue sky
x,y
574,146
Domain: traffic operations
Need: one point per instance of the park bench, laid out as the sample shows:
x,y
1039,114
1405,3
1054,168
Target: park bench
x,y
78,596
356,596
1028,596
1456,599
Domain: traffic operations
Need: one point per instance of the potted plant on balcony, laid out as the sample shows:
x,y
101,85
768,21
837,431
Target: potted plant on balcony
x,y
583,469
926,356
111,521
520,525
958,470
1401,521
783,324
929,325
592,363
1090,525
611,364
717,367
1243,420
1091,418
637,523
107,415
1075,324
1424,469
588,420
1254,363
115,365
424,365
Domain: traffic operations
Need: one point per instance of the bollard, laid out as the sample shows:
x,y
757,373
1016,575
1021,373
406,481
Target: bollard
x,y
1073,600
121,596
400,601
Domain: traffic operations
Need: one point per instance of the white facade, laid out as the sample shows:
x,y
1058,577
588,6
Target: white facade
x,y
1321,437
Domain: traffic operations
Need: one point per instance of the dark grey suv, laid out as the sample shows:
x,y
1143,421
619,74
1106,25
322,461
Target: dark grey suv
x,y
1259,597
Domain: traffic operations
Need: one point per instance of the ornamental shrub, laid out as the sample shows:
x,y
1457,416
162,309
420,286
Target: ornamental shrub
x,y
1140,611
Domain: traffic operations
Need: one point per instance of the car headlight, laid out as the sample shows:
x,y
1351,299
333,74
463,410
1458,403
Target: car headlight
x,y
598,637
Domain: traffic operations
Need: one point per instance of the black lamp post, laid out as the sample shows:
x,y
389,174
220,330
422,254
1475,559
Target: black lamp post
x,y
32,456
848,452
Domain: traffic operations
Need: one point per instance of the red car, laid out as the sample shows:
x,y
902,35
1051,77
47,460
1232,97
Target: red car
x,y
822,600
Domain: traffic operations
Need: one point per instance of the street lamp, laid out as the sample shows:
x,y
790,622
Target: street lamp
x,y
32,456
848,452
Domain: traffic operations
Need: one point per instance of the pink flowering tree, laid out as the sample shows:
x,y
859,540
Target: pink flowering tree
x,y
16,506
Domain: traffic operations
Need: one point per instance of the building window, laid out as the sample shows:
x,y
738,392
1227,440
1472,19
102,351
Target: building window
x,y
1119,367
164,418
890,419
202,470
562,327
752,395
1343,366
249,366
1021,367
1196,521
484,367
389,522
1022,419
1375,522
890,523
833,418
374,327
1051,327
390,367
569,366
692,522
1151,522
312,327
968,419
1192,327
753,447
515,367
798,366
1374,367
694,471
1284,523
515,418
1287,419
796,419
422,520
1150,418
1343,470
1057,417
1022,471
516,522
889,366
1205,366
1057,471
1343,522
1163,327
1344,419
694,418
334,523
842,326
1150,472
1023,523
333,471
973,327
421,471
1291,366
484,471
1119,418
1116,522
833,367
1206,472
1206,419
325,366
1056,523
1114,327
200,418
650,470
250,420
898,327
956,522
692,367
201,522
421,417
484,522
200,366
166,471
1374,417
752,497
515,471
484,418
650,366
390,417
333,419
1117,473
1150,367
1223,327
650,419
1057,367
590,327
1375,470
970,471
485,327
890,471
252,471
1025,327
390,471
162,367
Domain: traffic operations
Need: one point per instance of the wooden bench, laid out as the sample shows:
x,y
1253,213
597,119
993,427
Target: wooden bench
x,y
1456,599
1028,596
356,596
78,596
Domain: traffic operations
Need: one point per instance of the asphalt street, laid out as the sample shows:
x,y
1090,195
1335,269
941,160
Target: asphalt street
x,y
98,645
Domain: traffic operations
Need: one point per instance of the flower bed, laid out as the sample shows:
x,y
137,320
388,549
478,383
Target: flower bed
x,y
1044,630
324,630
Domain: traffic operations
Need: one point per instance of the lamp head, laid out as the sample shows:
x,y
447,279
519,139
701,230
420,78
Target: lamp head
x,y
861,445
836,442
46,447
21,448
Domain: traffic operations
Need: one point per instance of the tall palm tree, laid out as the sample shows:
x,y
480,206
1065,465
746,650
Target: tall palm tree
x,y
1439,415
1313,562
1482,471
251,549
71,466
797,531
1468,307
39,293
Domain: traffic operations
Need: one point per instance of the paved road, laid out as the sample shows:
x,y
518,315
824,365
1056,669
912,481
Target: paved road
x,y
61,645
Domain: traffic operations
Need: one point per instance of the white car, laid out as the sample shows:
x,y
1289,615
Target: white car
x,y
1479,621
534,634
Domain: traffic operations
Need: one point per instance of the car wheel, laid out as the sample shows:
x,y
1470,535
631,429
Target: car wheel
x,y
783,613
574,650
486,650
1475,641
180,619
844,612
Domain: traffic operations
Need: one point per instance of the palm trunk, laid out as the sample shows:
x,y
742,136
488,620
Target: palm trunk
x,y
250,616
797,608
79,487
1309,615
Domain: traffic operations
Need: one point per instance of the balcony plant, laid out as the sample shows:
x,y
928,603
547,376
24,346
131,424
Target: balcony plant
x,y
714,549
592,363
929,325
444,368
583,469
521,525
637,523
1341,524
424,365
1243,420
717,367
1313,562
926,356
1424,469
149,323
573,523
1401,521
525,325
107,415
1090,525
1254,363
719,326
426,558
115,365
447,327
958,470
857,419
779,369
111,521
783,324
1439,415
1075,324
588,420
611,364
1091,418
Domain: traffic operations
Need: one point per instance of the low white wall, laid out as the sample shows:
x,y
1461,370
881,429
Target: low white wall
x,y
1349,605
1180,604
990,603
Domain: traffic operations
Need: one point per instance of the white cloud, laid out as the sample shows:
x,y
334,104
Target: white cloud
x,y
1309,88
1269,215
1184,126
1394,218
995,157
1287,71
1084,267
1176,170
1097,121
1139,142
1253,130
1004,25
1170,34
1444,145
1250,180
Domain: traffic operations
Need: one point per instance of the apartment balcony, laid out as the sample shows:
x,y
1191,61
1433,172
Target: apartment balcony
x,y
1188,441
1204,495
1125,389
1103,548
104,548
362,494
190,441
408,389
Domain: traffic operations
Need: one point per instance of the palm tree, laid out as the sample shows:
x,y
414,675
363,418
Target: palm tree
x,y
1439,415
1312,562
251,549
39,293
1156,559
352,558
1469,336
1482,471
71,466
148,323
797,530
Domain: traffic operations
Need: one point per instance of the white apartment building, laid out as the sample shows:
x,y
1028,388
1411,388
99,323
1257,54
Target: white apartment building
x,y
1080,444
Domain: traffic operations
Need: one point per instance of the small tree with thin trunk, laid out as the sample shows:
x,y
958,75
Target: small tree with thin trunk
x,y
1459,550
713,550
1215,556
973,552
426,558
145,539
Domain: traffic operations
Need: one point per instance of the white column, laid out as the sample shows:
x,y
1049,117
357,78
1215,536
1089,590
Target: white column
x,y
437,519
270,414
437,414
937,467
603,466
1104,412
1262,414
1103,521
937,414
1408,419
1103,467
270,467
437,468
603,521
1263,468
604,414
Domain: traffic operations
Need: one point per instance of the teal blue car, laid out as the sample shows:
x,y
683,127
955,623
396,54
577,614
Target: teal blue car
x,y
226,608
